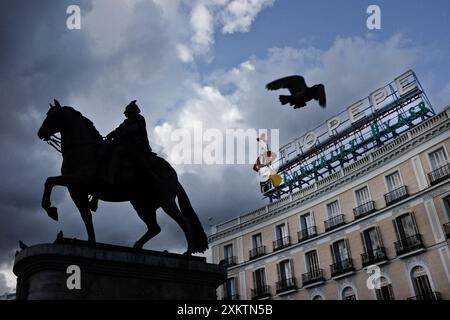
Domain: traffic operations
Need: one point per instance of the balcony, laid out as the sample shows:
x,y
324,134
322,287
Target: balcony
x,y
396,195
409,244
342,267
334,222
312,277
257,252
446,227
432,295
261,292
281,243
440,174
364,209
229,261
307,234
372,257
232,297
286,285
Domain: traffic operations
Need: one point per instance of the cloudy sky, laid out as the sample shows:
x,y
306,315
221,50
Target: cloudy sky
x,y
187,61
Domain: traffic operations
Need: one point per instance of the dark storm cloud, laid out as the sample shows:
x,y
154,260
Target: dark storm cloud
x,y
41,59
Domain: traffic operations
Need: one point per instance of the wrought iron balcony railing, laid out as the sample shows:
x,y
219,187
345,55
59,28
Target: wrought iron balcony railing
x,y
314,276
432,295
364,209
446,227
334,222
409,244
440,174
281,243
307,233
229,261
374,256
257,252
286,284
261,292
342,267
396,195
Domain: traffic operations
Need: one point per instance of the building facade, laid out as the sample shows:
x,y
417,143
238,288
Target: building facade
x,y
376,229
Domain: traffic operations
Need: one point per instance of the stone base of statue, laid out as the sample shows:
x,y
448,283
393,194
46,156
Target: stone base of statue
x,y
75,270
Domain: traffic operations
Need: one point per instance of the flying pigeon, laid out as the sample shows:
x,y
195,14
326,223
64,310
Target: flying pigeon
x,y
300,92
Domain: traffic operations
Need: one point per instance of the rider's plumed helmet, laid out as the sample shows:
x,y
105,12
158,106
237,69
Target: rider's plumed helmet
x,y
132,108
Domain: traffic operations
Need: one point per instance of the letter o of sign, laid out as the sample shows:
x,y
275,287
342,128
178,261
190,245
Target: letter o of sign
x,y
310,140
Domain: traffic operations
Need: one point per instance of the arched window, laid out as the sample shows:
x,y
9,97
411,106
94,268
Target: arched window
x,y
385,291
317,297
422,286
348,294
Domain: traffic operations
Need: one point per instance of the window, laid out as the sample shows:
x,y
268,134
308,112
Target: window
x,y
231,289
306,221
405,226
257,240
348,294
373,247
228,252
312,261
362,196
438,159
342,262
228,257
421,283
333,209
259,279
284,270
385,291
281,231
371,240
393,181
340,251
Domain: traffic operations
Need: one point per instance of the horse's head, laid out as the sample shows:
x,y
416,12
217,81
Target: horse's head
x,y
52,123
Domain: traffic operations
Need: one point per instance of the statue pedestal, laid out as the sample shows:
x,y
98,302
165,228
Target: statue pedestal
x,y
112,272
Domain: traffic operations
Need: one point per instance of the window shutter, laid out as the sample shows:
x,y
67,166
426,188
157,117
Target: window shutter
x,y
333,254
397,233
363,241
377,228
279,271
413,218
347,247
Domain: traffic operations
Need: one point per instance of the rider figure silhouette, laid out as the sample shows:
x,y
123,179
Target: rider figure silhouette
x,y
129,138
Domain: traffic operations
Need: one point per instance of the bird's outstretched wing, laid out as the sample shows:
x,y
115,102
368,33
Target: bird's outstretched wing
x,y
295,84
319,94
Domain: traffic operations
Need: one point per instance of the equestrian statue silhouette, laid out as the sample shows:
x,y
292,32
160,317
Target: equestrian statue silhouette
x,y
120,168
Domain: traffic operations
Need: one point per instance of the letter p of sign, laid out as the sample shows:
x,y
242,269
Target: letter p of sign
x,y
73,22
74,280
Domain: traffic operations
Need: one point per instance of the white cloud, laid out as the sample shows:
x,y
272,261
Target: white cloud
x,y
229,16
238,15
202,25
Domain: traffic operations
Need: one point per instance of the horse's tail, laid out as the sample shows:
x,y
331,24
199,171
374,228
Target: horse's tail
x,y
201,241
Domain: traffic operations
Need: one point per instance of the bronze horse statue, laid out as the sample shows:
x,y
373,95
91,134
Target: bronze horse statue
x,y
85,159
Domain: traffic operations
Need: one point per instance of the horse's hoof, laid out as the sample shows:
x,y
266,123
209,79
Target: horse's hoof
x,y
53,213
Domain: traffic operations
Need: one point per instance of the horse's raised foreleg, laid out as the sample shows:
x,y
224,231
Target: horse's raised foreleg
x,y
48,187
147,212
